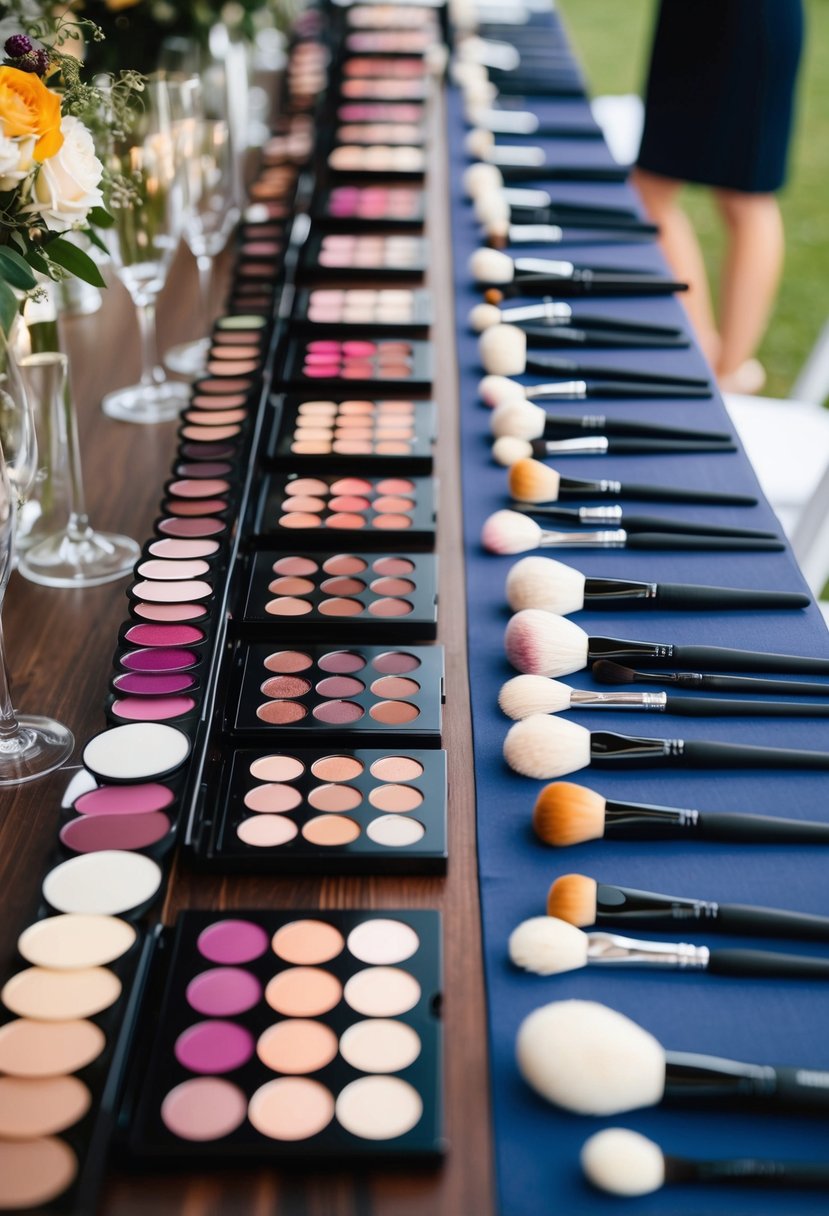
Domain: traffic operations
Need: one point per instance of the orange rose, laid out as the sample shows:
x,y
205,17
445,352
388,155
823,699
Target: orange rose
x,y
27,107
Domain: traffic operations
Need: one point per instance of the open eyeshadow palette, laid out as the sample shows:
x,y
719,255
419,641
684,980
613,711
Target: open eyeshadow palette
x,y
387,596
312,510
293,1040
375,310
381,160
311,693
348,255
351,434
380,133
377,207
359,363
318,811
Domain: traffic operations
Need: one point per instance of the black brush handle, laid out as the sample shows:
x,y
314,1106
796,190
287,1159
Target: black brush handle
x,y
697,543
632,329
621,446
710,1078
568,367
602,425
570,487
725,659
683,595
657,523
566,287
753,829
748,1171
573,234
802,1087
749,684
639,389
564,173
767,964
771,922
565,336
594,220
707,707
699,753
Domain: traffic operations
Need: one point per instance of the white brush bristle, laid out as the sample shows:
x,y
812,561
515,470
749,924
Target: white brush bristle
x,y
532,481
521,419
491,266
523,696
492,208
480,92
483,316
590,1059
495,390
506,450
478,143
544,644
548,946
465,71
545,747
510,532
623,1162
544,583
481,179
503,350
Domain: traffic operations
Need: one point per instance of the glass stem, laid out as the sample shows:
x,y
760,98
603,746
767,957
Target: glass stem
x,y
77,527
151,371
9,729
204,263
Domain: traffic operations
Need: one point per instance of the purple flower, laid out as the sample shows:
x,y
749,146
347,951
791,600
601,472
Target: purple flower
x,y
17,46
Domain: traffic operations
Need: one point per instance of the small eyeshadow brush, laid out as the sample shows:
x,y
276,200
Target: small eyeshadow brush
x,y
545,747
584,902
548,645
510,532
523,420
532,481
566,814
606,672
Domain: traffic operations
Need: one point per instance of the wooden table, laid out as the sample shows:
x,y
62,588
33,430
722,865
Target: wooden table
x,y
60,645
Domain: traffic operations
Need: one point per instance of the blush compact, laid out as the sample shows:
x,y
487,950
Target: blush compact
x,y
360,362
351,434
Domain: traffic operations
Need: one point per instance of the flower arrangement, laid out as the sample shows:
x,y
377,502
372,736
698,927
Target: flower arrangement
x,y
50,177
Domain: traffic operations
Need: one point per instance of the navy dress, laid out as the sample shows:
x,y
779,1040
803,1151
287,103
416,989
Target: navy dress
x,y
720,92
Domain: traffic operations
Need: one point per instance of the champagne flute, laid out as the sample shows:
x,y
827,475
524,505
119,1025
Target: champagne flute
x,y
147,208
30,744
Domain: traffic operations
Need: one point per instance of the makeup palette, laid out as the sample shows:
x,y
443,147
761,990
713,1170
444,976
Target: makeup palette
x,y
375,310
348,255
390,112
315,692
391,42
360,362
380,160
352,434
390,596
293,1039
312,510
391,16
377,206
317,811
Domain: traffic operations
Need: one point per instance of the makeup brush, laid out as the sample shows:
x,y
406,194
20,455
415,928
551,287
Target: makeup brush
x,y
523,208
524,122
480,179
523,420
545,945
584,902
547,645
566,814
499,392
543,582
543,747
535,276
590,1059
510,532
623,1162
606,672
531,481
501,234
552,324
507,449
614,516
503,352
525,695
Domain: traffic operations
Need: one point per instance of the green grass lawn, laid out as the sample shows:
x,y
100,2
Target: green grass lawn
x,y
613,42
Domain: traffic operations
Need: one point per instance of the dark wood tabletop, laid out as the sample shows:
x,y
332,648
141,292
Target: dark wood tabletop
x,y
59,647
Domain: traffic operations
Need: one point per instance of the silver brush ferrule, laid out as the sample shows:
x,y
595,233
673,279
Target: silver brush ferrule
x,y
587,699
588,445
580,540
600,515
556,388
507,122
529,234
507,155
612,950
544,266
517,196
547,310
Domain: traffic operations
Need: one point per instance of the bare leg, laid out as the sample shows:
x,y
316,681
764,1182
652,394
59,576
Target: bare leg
x,y
681,248
751,274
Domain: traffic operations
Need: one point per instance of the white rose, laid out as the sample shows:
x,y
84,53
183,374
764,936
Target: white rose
x,y
16,159
66,187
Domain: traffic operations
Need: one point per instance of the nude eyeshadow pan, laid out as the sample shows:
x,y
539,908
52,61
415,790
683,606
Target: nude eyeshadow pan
x,y
317,509
375,310
387,595
339,811
286,1036
313,692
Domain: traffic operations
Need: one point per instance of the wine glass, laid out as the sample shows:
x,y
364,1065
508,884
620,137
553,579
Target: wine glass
x,y
75,555
30,744
147,209
210,215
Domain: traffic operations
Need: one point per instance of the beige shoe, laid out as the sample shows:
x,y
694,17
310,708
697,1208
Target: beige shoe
x,y
749,378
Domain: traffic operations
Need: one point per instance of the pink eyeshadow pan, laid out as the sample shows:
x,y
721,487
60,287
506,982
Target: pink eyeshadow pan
x,y
173,592
164,635
205,487
185,508
139,799
184,550
152,709
204,468
172,570
281,713
208,433
338,713
224,401
191,528
212,387
92,833
159,659
169,612
295,565
153,684
288,661
395,663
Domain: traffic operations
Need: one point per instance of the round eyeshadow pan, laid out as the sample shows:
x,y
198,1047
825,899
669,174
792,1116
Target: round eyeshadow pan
x,y
277,768
34,1172
337,768
274,799
298,566
341,713
395,687
172,570
331,831
138,750
139,799
54,996
397,799
344,564
30,1048
281,713
291,1108
153,684
395,663
169,612
69,941
307,942
381,941
164,635
185,591
223,992
341,662
303,992
214,1046
334,798
379,1108
108,882
187,529
380,1045
92,833
183,550
232,941
278,687
395,832
266,831
382,992
340,686
158,660
394,713
297,1045
204,1108
39,1106
151,709
288,662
